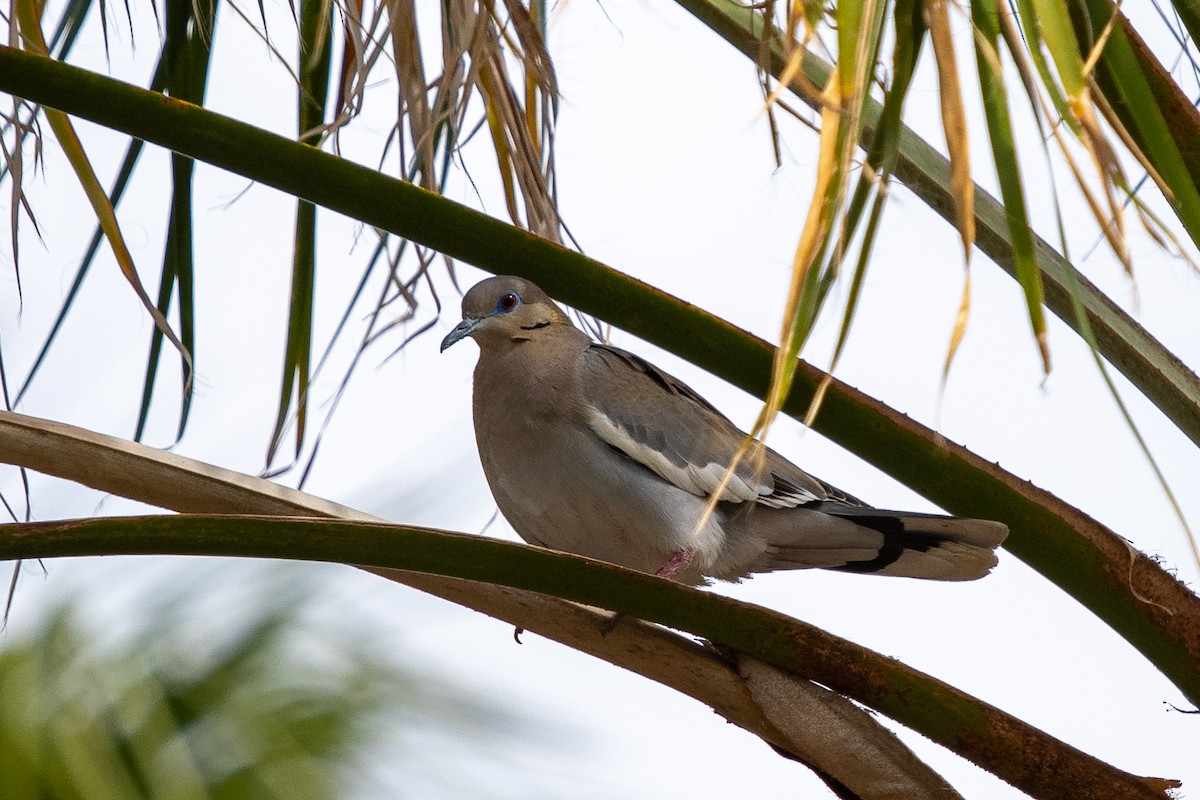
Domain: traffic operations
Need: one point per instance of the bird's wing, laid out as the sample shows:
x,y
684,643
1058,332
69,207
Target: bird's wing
x,y
660,423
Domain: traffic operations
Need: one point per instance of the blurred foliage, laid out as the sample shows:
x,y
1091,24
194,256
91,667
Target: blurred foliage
x,y
259,702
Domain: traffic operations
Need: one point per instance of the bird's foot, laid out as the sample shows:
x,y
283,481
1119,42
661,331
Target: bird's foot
x,y
677,563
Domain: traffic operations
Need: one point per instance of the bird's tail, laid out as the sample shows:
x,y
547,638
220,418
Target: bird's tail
x,y
913,545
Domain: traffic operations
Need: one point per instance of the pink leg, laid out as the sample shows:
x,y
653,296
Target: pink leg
x,y
677,563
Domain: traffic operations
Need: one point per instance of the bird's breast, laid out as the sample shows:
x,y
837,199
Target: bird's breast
x,y
562,486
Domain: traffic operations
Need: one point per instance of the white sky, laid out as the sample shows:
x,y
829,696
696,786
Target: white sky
x,y
665,172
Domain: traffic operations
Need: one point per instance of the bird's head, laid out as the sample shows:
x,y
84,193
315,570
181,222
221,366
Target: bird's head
x,y
504,308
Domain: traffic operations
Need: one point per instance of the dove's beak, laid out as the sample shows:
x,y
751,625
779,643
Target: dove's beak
x,y
461,331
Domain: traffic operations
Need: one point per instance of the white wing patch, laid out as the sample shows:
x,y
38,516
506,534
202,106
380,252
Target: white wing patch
x,y
787,495
701,480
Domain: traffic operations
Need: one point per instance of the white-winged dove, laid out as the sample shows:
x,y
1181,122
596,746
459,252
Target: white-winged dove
x,y
592,450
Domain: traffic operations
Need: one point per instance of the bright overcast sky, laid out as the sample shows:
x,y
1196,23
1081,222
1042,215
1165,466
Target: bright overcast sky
x,y
666,173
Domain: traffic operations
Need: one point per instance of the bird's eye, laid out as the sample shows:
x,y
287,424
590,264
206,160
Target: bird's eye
x,y
508,301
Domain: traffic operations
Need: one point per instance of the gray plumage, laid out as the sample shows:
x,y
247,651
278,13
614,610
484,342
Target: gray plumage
x,y
592,450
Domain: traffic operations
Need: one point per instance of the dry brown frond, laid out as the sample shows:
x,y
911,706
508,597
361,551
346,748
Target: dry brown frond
x,y
22,124
414,97
954,121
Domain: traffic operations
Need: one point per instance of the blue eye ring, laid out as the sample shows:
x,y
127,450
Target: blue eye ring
x,y
507,302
